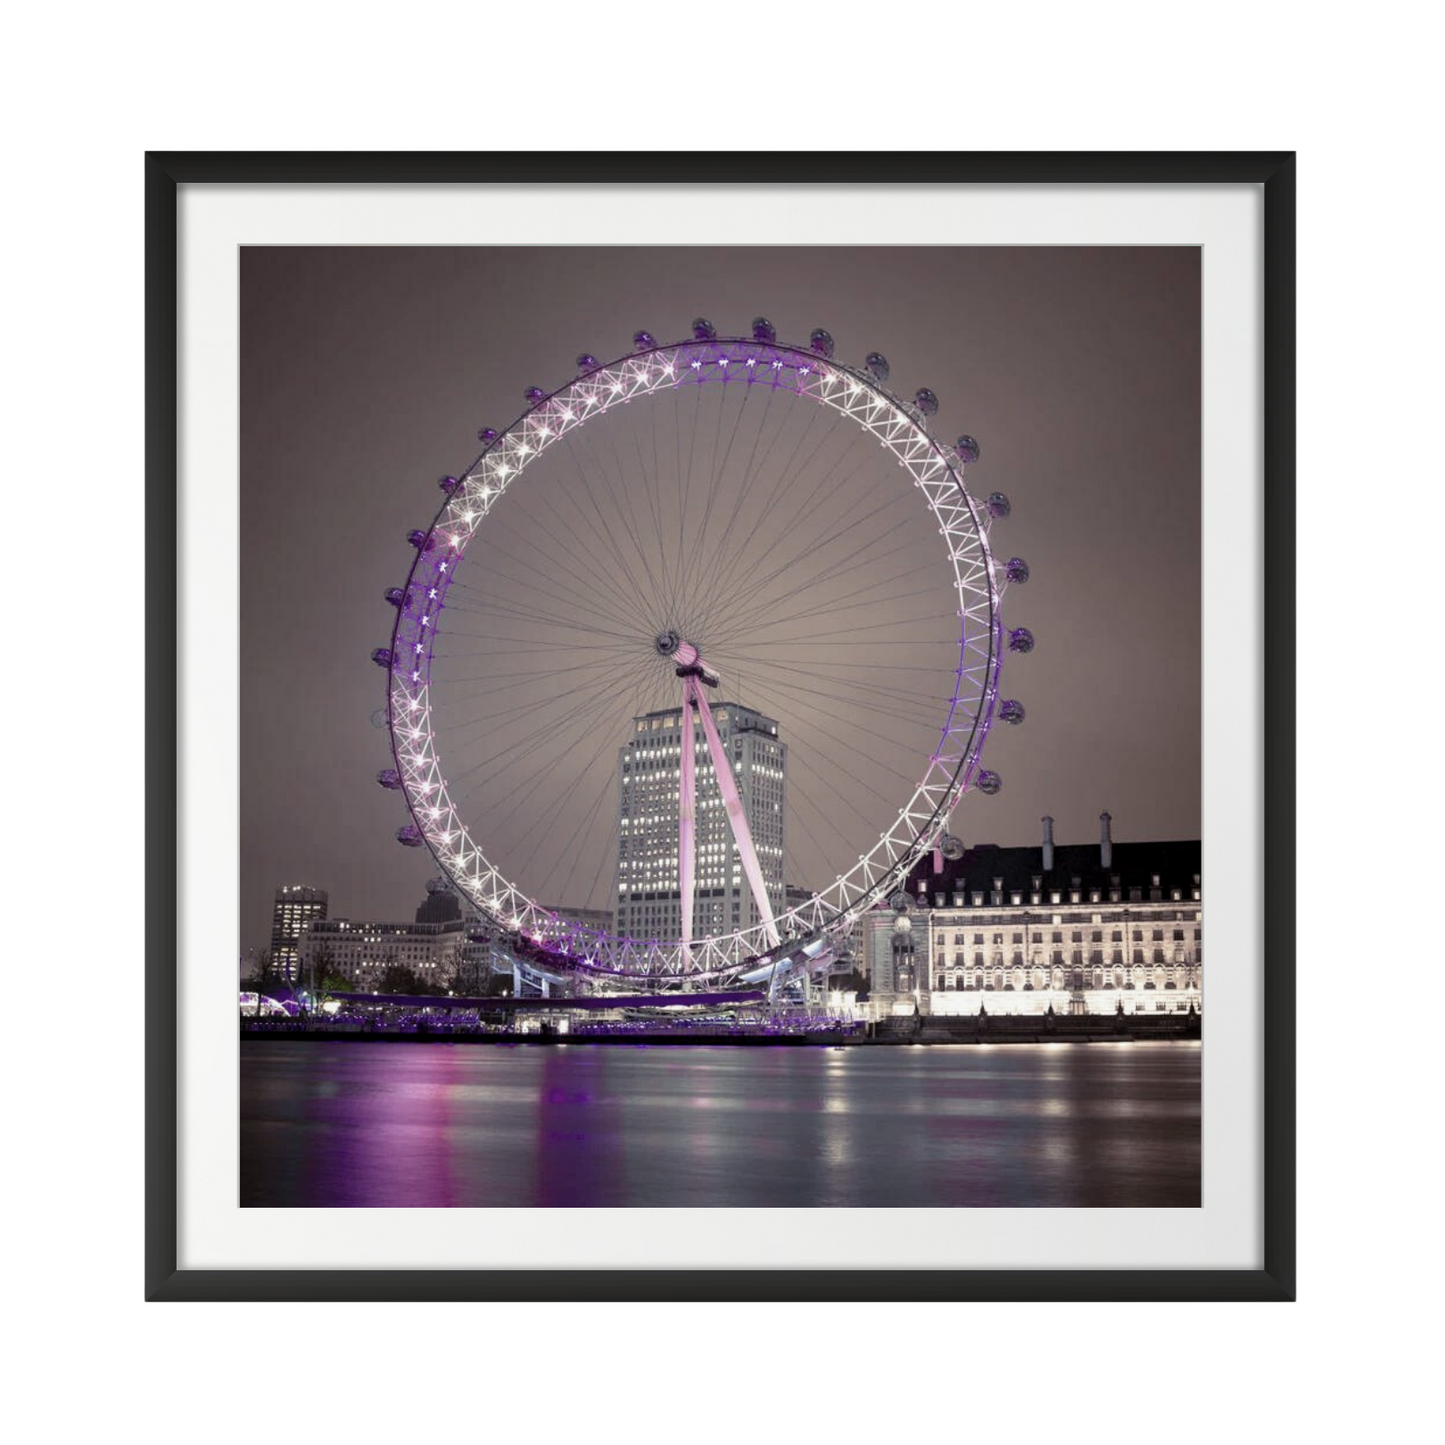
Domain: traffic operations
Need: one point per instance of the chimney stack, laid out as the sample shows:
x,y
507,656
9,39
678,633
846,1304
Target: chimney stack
x,y
1048,844
1106,843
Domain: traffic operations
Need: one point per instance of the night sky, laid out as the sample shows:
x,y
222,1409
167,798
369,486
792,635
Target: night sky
x,y
367,372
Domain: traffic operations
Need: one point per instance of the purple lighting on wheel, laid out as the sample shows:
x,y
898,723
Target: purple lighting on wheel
x,y
436,822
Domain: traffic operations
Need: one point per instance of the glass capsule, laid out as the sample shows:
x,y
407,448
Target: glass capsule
x,y
821,342
877,363
396,596
448,484
587,362
487,435
951,846
998,505
1016,570
989,783
534,395
379,719
420,540
381,656
1020,640
926,401
763,329
703,329
644,340
389,778
967,449
409,835
1011,711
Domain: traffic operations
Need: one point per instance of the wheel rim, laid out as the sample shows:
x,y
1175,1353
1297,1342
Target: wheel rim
x,y
855,396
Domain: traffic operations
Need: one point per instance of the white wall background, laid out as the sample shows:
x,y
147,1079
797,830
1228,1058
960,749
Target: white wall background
x,y
92,87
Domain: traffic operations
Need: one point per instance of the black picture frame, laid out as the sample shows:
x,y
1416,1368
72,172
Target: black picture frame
x,y
165,172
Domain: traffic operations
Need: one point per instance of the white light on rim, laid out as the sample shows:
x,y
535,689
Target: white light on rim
x,y
916,453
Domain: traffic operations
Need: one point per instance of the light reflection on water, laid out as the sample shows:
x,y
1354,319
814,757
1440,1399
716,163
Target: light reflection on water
x,y
434,1125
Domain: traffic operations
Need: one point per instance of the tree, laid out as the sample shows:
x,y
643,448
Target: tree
x,y
263,970
459,975
324,975
264,975
398,978
496,985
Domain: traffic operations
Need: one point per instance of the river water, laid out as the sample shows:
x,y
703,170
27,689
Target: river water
x,y
435,1125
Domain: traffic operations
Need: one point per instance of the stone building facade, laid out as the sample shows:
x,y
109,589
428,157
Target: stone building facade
x,y
431,946
1076,928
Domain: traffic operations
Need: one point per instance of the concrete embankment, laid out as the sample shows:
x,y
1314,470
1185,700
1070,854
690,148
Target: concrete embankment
x,y
890,1032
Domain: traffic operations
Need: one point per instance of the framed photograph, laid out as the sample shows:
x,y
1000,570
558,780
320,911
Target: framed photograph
x,y
695,703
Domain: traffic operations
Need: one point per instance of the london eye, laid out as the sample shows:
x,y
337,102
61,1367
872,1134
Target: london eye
x,y
697,658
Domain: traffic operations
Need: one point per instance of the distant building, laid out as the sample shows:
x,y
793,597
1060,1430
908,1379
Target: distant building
x,y
1079,928
649,781
441,905
294,908
362,952
795,895
431,946
599,920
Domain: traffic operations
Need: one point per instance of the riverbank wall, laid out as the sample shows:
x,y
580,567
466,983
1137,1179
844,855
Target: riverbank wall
x,y
1086,1029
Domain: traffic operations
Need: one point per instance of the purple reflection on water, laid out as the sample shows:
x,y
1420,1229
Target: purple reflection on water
x,y
577,1154
434,1125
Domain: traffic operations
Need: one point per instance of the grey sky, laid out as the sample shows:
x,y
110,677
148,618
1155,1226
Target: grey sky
x,y
366,373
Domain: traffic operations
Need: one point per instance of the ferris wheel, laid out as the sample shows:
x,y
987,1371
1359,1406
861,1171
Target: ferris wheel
x,y
697,658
